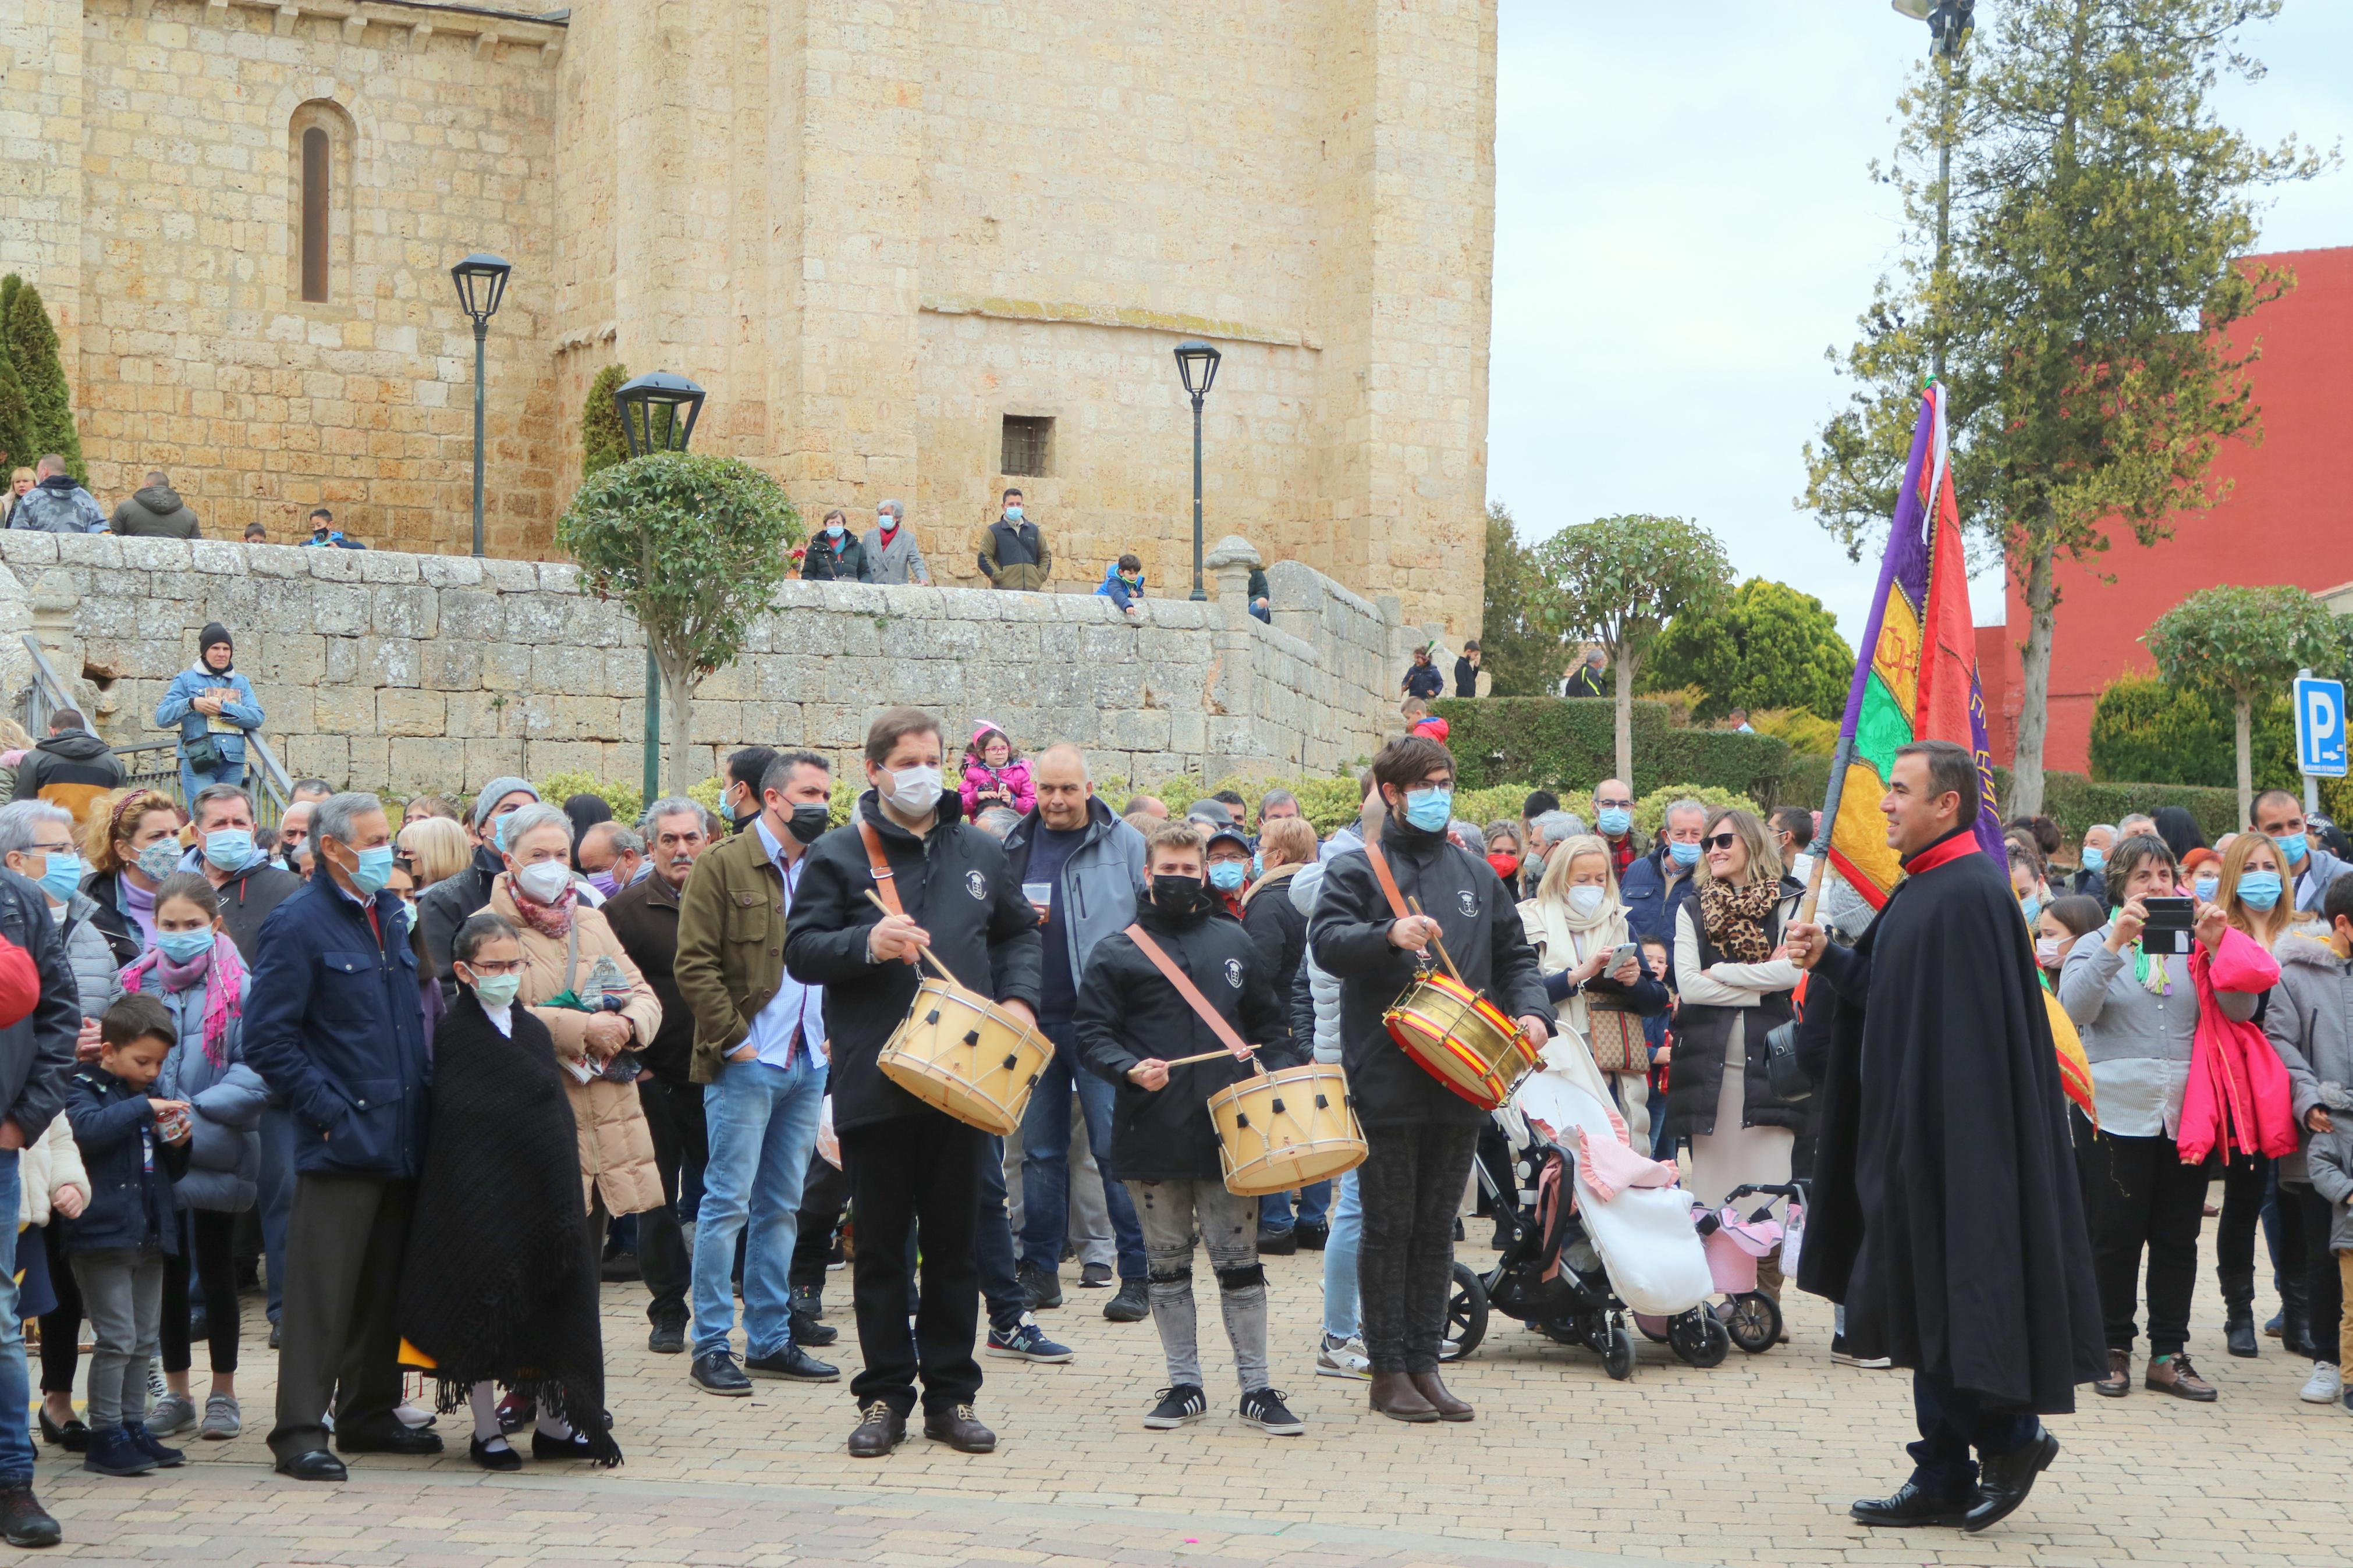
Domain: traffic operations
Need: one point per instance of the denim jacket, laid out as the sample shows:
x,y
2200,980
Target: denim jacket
x,y
178,708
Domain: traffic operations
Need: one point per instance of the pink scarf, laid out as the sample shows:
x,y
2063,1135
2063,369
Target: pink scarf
x,y
2237,1098
222,970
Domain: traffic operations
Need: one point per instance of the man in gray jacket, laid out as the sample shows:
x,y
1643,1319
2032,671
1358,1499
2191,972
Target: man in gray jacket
x,y
1090,865
2309,1020
56,504
2279,816
891,553
155,511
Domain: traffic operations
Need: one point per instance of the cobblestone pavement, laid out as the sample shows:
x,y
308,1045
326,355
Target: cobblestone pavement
x,y
1752,1462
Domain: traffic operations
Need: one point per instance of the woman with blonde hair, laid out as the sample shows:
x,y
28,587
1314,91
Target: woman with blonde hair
x,y
436,847
1578,924
14,744
133,843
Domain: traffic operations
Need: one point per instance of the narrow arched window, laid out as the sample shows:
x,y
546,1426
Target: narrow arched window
x,y
317,208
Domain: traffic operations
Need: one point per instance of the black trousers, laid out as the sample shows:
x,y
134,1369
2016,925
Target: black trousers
x,y
60,1328
2245,1179
2139,1195
824,1194
674,1119
1954,1423
1410,1186
207,1238
916,1174
344,1242
2305,1219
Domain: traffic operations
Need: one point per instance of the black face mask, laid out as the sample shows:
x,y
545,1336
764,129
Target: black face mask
x,y
1180,897
809,822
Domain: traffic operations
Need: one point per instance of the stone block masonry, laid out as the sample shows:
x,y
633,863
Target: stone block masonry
x,y
409,673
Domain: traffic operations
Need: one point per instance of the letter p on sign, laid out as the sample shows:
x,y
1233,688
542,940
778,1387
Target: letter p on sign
x,y
2320,727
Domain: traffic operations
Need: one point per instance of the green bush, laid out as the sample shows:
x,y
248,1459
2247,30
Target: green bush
x,y
628,801
1570,746
1650,810
1808,734
2146,729
2071,800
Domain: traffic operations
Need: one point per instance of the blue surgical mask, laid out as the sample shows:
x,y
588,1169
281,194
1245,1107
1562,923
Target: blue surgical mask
x,y
373,870
1258,864
1226,876
1685,854
2095,857
1013,514
1613,821
2257,890
833,531
62,879
183,946
160,859
229,849
2204,887
2032,906
1429,809
2294,846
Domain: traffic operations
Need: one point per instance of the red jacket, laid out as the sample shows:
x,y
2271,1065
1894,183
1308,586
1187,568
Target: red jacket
x,y
2238,1097
20,984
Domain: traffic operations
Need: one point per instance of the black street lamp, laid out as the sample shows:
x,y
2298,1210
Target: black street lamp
x,y
1195,359
650,408
481,280
1950,22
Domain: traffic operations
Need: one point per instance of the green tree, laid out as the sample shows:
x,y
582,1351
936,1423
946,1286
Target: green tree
x,y
48,413
602,441
2148,730
1515,648
2246,644
2101,219
1620,582
1768,646
694,547
17,449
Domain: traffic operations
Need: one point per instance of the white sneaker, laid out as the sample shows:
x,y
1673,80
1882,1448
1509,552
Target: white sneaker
x,y
1343,1358
413,1415
2323,1385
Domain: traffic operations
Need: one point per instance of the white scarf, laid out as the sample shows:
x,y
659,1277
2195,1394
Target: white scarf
x,y
1562,944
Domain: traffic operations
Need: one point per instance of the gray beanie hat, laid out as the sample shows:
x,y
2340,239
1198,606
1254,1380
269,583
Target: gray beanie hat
x,y
495,791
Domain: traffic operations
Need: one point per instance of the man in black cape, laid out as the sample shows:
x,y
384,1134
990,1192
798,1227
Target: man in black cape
x,y
1946,1215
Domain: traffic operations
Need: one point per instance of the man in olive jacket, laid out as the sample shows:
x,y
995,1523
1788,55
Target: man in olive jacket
x,y
1012,550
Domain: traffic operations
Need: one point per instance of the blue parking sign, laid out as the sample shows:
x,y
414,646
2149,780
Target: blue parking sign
x,y
2320,727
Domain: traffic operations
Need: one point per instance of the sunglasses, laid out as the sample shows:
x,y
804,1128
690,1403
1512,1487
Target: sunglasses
x,y
1721,841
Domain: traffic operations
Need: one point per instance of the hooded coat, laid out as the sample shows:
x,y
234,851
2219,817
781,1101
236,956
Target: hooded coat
x,y
70,769
155,511
1945,1213
2310,1023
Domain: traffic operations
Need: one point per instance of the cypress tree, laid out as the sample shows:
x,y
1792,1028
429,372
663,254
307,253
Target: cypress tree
x,y
602,441
17,444
33,344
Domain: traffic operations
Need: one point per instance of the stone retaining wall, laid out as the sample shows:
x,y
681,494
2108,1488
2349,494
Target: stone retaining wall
x,y
413,672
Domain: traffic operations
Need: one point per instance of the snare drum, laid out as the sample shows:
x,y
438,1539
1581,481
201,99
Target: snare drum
x,y
959,1052
1459,1038
1280,1131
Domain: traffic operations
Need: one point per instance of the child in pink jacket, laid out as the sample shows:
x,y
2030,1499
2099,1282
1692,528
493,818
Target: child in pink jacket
x,y
992,775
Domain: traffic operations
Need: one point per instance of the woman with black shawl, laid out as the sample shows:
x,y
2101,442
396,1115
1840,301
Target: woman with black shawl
x,y
500,1287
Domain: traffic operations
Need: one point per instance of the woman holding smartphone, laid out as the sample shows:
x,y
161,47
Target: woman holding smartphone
x,y
2135,1006
1594,973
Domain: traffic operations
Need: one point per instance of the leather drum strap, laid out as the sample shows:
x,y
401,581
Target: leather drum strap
x,y
1187,990
1382,875
886,885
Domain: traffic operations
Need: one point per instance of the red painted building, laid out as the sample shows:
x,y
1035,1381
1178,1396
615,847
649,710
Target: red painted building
x,y
2288,519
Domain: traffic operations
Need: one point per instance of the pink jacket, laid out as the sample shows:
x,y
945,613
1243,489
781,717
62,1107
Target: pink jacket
x,y
2238,1099
1013,775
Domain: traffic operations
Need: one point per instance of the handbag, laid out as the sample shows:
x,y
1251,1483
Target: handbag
x,y
203,753
1617,1039
1782,1071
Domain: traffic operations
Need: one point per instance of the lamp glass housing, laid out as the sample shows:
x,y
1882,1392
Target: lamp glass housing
x,y
1198,361
481,280
657,411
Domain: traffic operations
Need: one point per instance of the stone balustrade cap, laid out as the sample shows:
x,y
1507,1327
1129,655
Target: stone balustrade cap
x,y
1233,550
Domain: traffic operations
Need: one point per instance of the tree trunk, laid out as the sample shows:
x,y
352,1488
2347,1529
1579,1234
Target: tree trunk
x,y
2241,715
2034,708
1625,717
678,712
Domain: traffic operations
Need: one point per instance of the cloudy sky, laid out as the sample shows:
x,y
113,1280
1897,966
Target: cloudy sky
x,y
1684,222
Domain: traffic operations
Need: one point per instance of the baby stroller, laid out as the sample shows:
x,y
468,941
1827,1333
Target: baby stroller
x,y
1735,1242
1573,1277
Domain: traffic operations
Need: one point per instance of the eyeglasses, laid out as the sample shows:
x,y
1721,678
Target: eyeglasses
x,y
493,966
1721,841
49,849
1613,804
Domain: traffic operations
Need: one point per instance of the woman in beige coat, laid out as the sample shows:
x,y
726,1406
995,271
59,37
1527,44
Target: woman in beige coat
x,y
566,947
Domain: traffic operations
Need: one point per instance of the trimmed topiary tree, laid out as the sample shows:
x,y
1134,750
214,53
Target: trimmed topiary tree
x,y
1767,646
2248,643
48,411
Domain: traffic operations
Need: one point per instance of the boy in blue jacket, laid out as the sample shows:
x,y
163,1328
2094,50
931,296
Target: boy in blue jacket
x,y
135,1148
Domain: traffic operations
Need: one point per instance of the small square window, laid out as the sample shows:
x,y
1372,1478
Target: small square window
x,y
1029,442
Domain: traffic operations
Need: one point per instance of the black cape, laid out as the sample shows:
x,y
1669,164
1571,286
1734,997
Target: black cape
x,y
500,1281
1946,1214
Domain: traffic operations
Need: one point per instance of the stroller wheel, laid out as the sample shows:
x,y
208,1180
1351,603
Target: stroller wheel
x,y
1618,1361
1699,1338
1755,1323
1466,1312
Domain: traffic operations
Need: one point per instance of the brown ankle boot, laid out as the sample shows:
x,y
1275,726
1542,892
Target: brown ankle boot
x,y
1449,1408
1394,1396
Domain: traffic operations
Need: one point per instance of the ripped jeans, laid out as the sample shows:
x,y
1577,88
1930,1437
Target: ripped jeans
x,y
1167,1212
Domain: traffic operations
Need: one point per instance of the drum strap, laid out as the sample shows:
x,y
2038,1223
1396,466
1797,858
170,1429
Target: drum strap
x,y
886,885
1382,875
1187,990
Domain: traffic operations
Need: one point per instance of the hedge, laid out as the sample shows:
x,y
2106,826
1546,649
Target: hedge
x,y
1571,745
2071,800
2143,728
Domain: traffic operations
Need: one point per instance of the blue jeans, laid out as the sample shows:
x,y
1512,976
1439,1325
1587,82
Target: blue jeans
x,y
992,1244
763,1125
191,781
1046,1159
16,1389
275,1199
1314,1202
1340,1320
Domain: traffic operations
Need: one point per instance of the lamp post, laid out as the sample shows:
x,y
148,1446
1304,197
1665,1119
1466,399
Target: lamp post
x,y
650,407
1950,22
481,280
1197,359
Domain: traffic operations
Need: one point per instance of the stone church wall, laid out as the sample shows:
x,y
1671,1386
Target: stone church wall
x,y
417,673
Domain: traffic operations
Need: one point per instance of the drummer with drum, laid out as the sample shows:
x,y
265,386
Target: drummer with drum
x,y
1167,1011
909,881
1391,915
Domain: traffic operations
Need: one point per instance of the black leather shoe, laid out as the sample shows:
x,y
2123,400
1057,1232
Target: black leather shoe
x,y
808,1331
1910,1506
2239,1334
413,1441
22,1521
1043,1287
718,1373
2004,1482
73,1437
880,1429
793,1364
1277,1243
575,1446
667,1337
316,1464
960,1429
502,1457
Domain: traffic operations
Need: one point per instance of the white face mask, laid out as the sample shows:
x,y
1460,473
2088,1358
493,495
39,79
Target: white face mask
x,y
1585,901
913,790
544,881
2046,951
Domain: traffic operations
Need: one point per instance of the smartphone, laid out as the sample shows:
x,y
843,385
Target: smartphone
x,y
1617,958
2168,928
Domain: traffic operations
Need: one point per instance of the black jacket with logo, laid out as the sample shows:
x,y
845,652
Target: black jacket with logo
x,y
954,883
1128,1012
